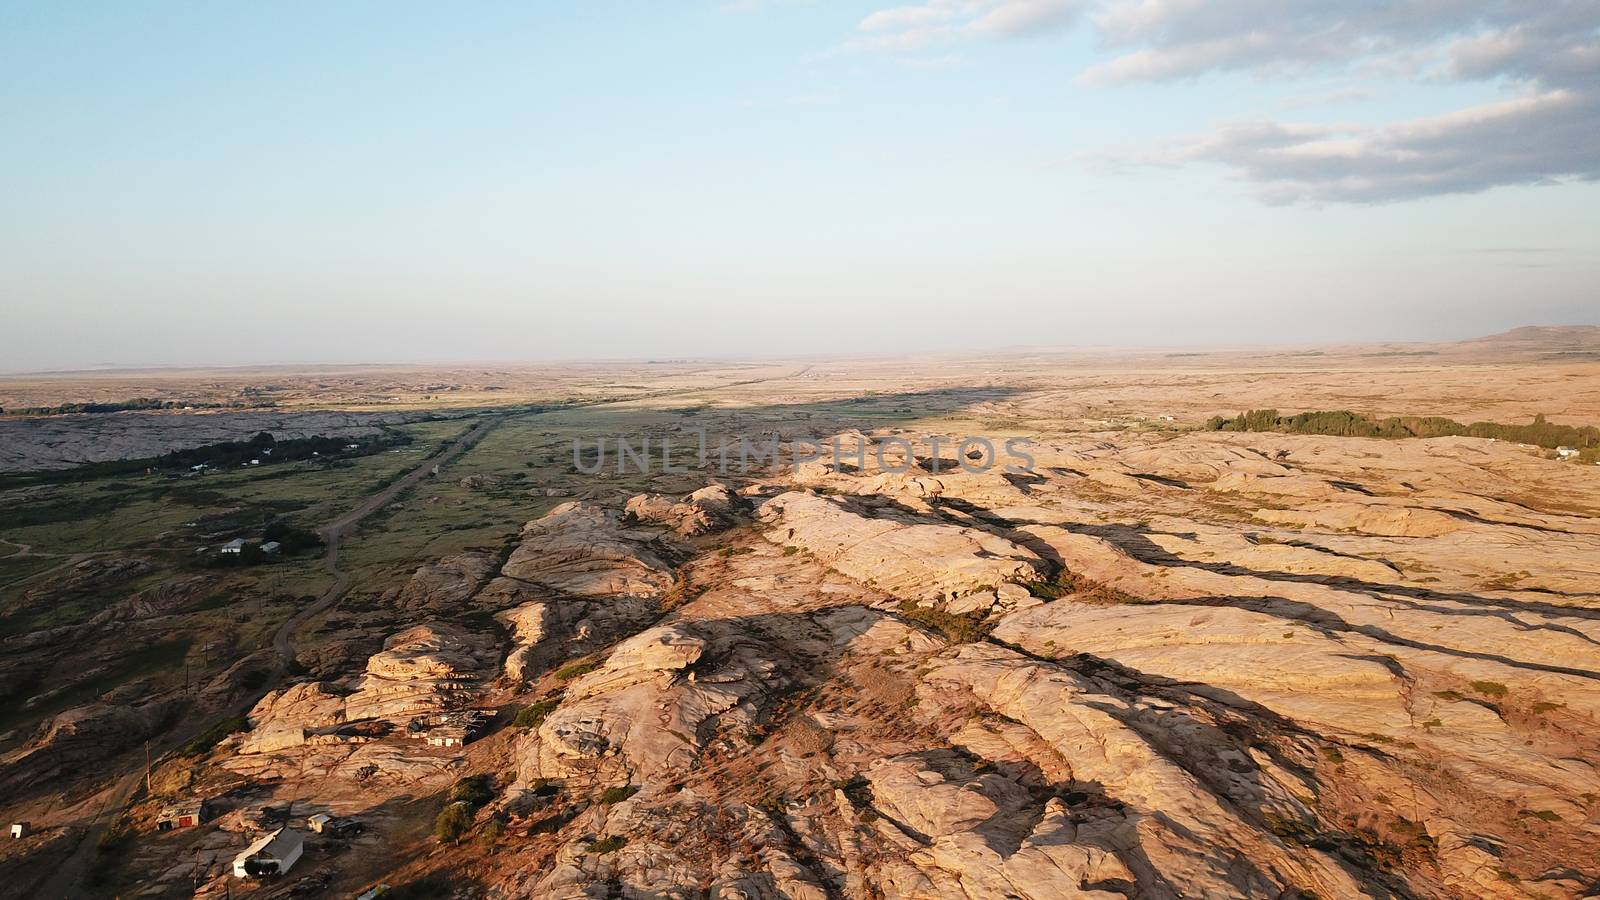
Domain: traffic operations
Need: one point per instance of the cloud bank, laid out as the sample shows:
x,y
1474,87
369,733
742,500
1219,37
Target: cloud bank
x,y
1546,54
1543,54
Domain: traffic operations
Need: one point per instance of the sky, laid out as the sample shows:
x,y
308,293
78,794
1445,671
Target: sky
x,y
229,183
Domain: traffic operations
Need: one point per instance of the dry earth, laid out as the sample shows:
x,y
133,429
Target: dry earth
x,y
1161,664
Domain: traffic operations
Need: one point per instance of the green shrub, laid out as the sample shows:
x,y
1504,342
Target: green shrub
x,y
1081,588
209,738
609,845
533,715
492,831
1490,688
452,822
617,794
960,628
434,886
567,673
473,789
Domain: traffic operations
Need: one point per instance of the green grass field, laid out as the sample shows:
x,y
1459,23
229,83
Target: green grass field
x,y
165,520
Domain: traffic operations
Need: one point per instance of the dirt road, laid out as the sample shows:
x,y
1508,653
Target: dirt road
x,y
334,533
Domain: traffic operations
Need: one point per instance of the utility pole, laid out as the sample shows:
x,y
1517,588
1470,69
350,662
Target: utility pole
x,y
147,767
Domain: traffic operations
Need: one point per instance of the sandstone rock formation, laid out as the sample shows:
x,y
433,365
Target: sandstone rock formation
x,y
1158,666
446,585
585,550
708,509
421,671
1171,693
908,557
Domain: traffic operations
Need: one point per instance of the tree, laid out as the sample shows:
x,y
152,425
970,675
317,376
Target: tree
x,y
453,821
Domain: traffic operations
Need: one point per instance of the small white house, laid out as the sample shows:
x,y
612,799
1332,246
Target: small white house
x,y
447,737
234,546
271,548
20,829
271,854
1566,452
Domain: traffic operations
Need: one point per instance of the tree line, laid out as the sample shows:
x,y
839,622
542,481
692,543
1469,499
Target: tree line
x,y
1343,423
135,405
268,449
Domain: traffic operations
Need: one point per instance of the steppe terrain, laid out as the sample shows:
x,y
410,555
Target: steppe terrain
x,y
1161,661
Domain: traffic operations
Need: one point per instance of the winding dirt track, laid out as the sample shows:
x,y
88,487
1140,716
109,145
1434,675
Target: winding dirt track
x,y
334,534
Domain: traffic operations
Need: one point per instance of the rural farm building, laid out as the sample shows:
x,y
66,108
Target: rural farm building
x,y
274,853
448,736
183,815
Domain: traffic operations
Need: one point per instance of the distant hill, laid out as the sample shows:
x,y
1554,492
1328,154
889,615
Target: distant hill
x,y
1546,337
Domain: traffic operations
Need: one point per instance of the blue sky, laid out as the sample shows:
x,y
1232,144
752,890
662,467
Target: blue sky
x,y
230,183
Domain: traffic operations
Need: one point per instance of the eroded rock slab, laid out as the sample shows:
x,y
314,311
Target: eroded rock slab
x,y
908,557
585,550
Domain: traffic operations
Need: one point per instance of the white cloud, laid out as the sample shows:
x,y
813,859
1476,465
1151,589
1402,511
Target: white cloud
x,y
1543,137
932,23
1025,17
1545,53
1159,39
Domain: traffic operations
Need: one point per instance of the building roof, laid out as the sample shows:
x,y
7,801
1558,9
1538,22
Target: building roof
x,y
184,808
272,845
